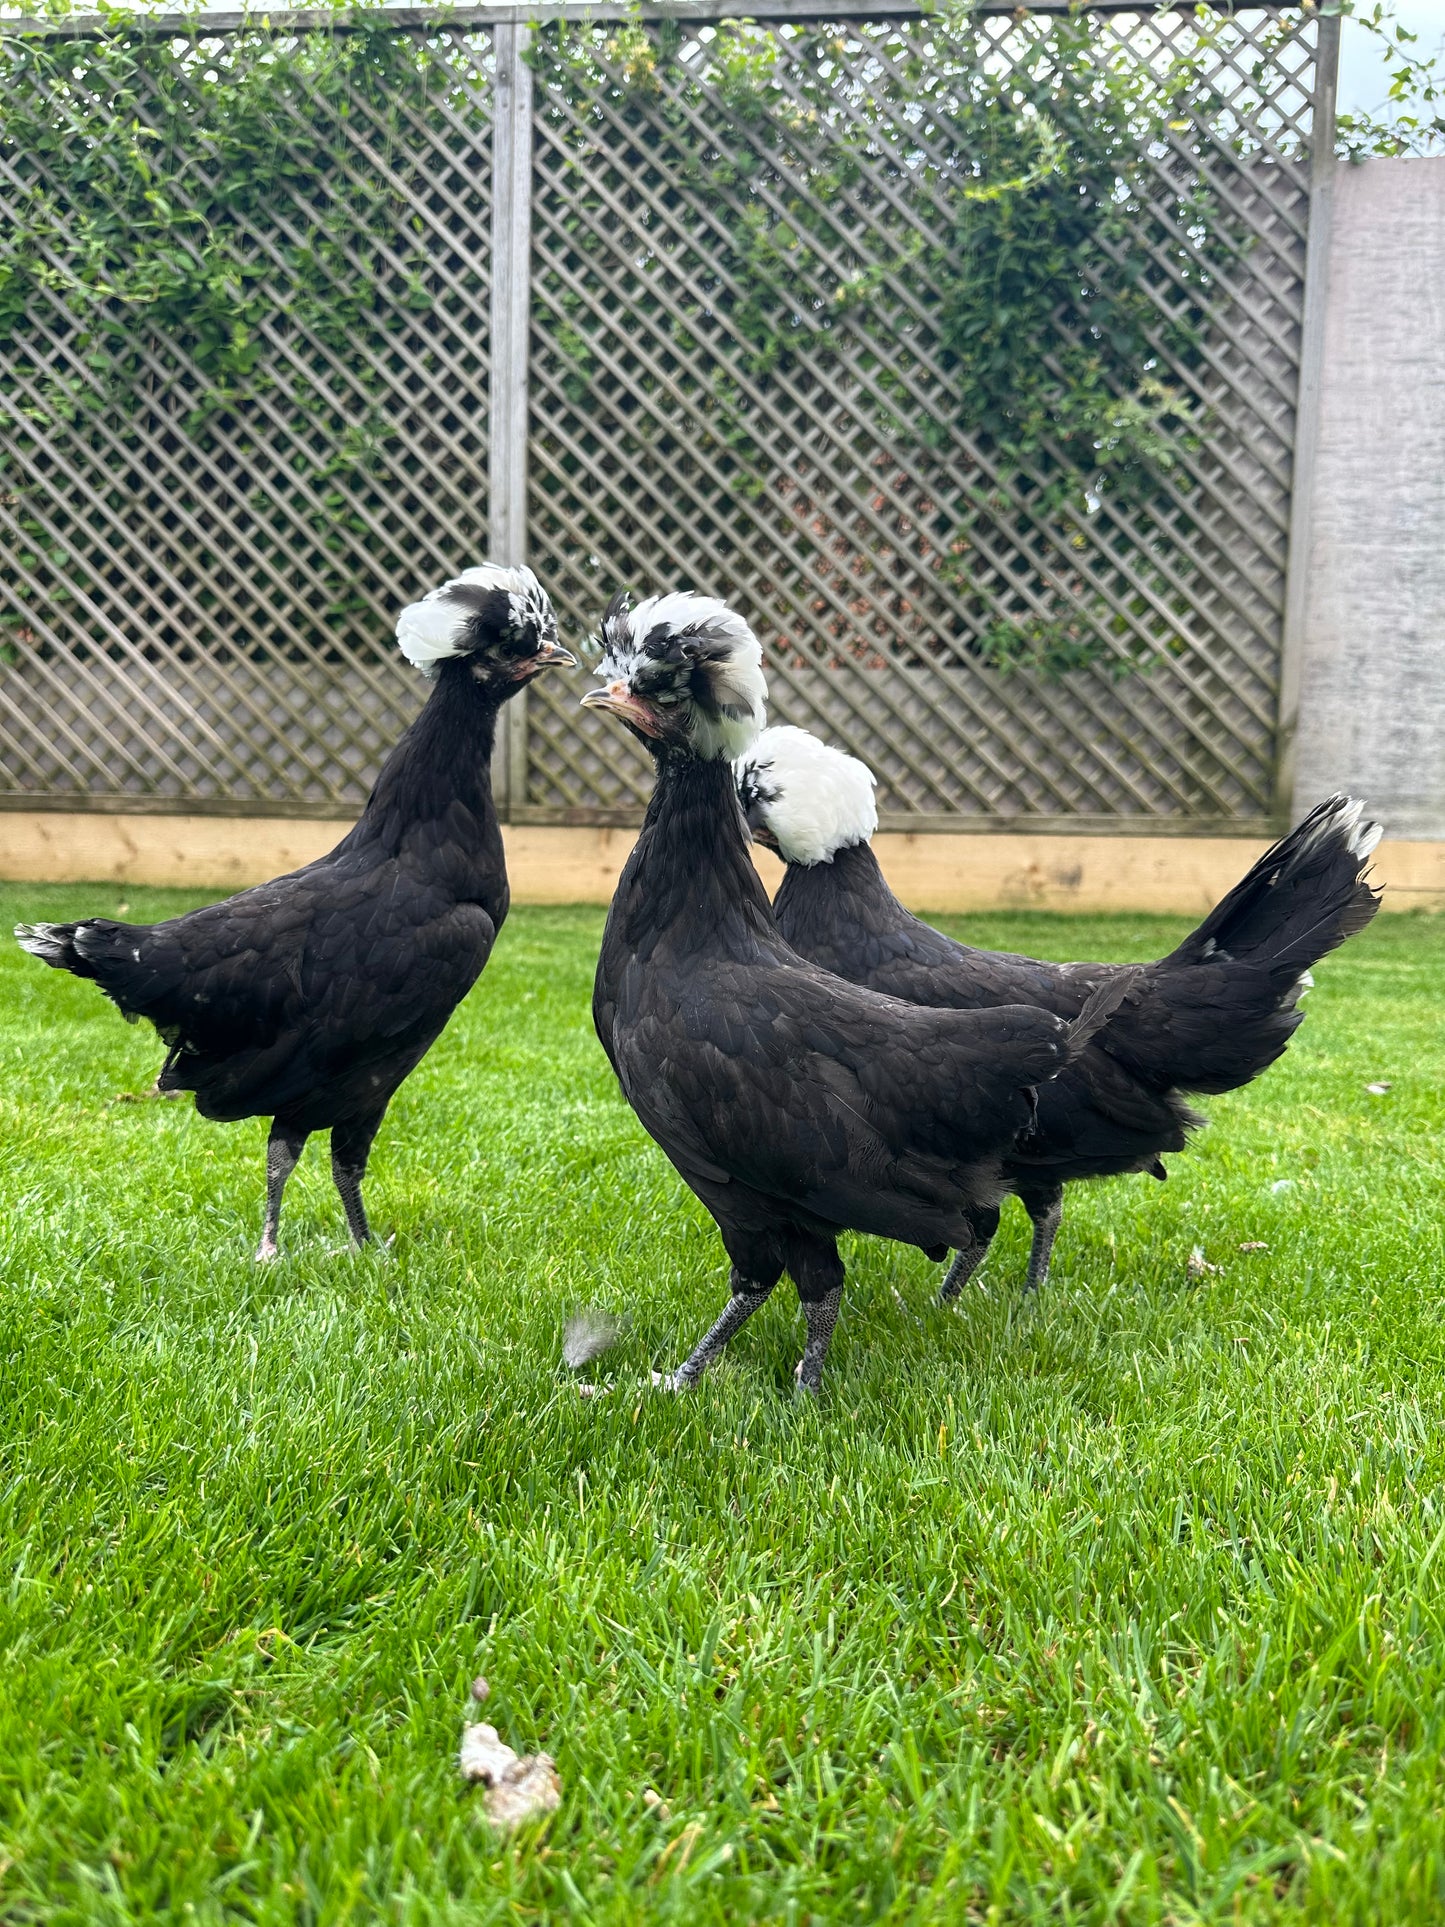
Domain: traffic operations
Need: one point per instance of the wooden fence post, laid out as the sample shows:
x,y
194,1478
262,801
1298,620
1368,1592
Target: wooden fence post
x,y
511,332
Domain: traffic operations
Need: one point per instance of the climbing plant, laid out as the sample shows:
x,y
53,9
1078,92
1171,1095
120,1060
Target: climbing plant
x,y
1006,199
155,235
1411,117
188,217
159,174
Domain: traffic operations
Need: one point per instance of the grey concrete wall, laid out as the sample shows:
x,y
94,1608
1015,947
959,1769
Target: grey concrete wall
x,y
1372,693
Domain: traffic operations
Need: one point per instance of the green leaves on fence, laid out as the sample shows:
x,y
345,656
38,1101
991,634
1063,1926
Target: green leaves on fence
x,y
1038,279
1018,218
202,228
162,179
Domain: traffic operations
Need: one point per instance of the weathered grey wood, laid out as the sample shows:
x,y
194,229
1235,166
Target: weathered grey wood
x,y
511,316
285,746
765,402
1232,510
226,20
195,663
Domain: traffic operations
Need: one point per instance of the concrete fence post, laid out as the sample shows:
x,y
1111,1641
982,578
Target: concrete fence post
x,y
1307,411
1371,661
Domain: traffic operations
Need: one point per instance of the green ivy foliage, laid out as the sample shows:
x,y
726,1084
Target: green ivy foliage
x,y
1411,118
1033,279
202,220
1018,219
161,174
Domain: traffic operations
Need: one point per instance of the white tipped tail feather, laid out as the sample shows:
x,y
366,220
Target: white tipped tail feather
x,y
814,799
48,941
1345,816
444,622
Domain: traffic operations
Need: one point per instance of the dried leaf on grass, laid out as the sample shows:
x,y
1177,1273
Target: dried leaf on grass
x,y
681,1845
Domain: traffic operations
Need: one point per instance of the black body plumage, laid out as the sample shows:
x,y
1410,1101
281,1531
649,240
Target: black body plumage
x,y
794,1104
310,998
1207,1018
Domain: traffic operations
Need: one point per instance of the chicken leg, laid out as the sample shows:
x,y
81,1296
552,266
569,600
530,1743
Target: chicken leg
x,y
350,1149
745,1300
967,1261
1046,1210
820,1315
283,1148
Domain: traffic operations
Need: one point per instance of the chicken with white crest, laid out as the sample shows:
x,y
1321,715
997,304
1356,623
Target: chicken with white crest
x,y
796,1106
1207,1018
309,999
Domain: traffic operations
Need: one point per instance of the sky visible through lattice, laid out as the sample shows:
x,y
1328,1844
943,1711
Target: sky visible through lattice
x,y
1364,74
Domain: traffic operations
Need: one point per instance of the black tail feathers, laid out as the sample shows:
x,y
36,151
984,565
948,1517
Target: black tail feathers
x,y
53,943
105,953
1301,900
1101,1006
1223,1006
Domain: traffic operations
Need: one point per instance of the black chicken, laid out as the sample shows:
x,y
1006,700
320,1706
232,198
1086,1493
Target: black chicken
x,y
1207,1018
796,1106
309,999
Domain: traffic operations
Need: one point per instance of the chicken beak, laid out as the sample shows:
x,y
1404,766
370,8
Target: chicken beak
x,y
618,700
551,655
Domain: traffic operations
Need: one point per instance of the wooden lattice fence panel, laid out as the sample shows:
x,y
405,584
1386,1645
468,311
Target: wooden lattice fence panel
x,y
834,493
199,592
198,587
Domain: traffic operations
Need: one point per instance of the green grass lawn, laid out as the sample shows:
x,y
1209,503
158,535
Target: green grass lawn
x,y
1131,1608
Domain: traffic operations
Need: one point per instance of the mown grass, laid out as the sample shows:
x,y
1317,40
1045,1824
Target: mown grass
x,y
1129,1609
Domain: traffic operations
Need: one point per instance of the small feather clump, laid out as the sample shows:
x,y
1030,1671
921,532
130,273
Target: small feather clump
x,y
587,1334
518,1789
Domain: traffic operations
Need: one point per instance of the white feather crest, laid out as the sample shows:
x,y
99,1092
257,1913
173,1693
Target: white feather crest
x,y
429,631
733,660
815,799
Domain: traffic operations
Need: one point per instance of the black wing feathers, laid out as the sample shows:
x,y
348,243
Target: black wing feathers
x,y
1207,1018
312,996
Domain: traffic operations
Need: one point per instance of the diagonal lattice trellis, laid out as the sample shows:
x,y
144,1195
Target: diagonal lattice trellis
x,y
837,494
743,378
200,591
